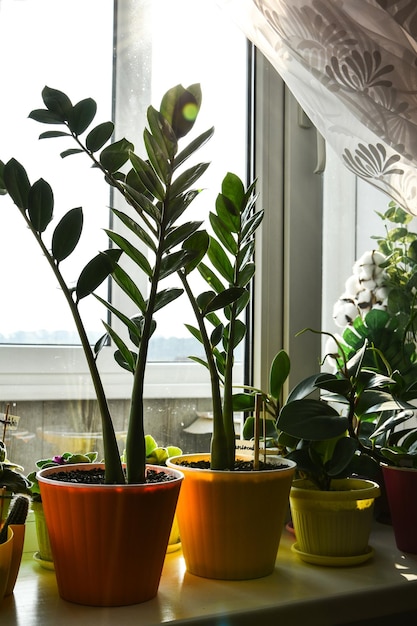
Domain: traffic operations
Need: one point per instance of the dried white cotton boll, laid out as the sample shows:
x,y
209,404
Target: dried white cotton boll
x,y
352,286
368,285
378,257
381,294
364,301
344,312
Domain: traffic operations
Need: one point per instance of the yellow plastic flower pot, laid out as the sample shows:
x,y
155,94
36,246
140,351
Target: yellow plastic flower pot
x,y
231,522
335,523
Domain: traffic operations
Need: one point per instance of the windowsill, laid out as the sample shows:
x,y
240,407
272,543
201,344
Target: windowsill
x,y
296,591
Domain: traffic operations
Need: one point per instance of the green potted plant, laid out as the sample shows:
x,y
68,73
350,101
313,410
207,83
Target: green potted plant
x,y
319,427
379,306
159,190
396,445
227,486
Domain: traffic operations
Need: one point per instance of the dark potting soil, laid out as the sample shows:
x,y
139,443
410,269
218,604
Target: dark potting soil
x,y
240,465
95,476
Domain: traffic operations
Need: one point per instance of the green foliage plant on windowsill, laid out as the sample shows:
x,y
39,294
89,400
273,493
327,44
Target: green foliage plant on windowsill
x,y
220,328
319,424
159,190
379,306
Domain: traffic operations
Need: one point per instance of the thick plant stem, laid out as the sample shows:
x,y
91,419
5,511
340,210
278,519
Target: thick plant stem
x,y
218,447
113,469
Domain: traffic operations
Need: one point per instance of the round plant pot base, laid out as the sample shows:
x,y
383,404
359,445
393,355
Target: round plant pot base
x,y
43,562
333,561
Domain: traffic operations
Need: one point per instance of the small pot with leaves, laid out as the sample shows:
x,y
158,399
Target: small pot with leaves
x,y
227,535
157,193
397,444
44,554
379,306
334,463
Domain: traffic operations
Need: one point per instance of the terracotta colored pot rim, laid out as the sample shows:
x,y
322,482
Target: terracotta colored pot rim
x,y
175,462
396,468
43,474
345,488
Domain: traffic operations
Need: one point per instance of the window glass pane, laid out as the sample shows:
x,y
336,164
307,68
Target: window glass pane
x,y
156,45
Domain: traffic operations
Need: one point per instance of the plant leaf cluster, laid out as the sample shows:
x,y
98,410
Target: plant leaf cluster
x,y
157,190
218,310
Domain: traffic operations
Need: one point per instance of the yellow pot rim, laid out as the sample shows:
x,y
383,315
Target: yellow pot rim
x,y
343,489
175,462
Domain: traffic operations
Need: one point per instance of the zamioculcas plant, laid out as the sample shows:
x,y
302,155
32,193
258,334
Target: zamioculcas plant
x,y
159,190
218,311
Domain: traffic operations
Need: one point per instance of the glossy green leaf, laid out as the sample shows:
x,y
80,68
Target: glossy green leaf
x,y
114,156
342,456
148,177
45,117
3,189
51,134
172,263
166,296
312,420
178,234
81,116
244,402
224,236
233,189
228,214
40,205
70,152
158,156
252,225
134,253
246,274
278,373
95,272
101,343
192,147
130,288
216,335
223,299
99,136
194,331
17,183
211,278
136,228
180,107
198,243
67,234
220,260
186,179
162,133
179,204
142,203
57,102
128,357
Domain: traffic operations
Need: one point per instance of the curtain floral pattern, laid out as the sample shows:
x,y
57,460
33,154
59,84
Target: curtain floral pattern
x,y
352,65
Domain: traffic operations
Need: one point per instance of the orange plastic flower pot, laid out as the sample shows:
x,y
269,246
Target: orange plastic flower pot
x,y
6,550
108,541
231,522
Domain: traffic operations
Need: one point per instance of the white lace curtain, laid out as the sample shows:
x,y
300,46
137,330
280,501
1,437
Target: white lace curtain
x,y
352,65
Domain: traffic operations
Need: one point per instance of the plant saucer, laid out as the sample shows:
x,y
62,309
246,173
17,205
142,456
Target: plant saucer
x,y
43,563
333,561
